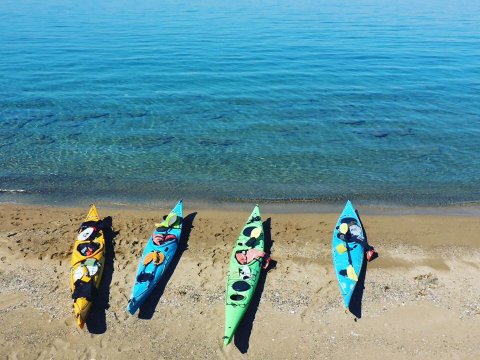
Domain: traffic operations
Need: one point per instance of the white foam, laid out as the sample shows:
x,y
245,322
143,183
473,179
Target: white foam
x,y
12,191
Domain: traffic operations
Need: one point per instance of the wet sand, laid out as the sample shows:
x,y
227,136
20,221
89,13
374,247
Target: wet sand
x,y
421,297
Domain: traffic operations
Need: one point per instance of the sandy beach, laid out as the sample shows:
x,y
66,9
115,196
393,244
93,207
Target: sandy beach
x,y
421,297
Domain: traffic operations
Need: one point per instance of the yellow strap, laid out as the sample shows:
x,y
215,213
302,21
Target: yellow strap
x,y
86,278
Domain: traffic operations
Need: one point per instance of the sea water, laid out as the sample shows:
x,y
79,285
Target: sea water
x,y
372,100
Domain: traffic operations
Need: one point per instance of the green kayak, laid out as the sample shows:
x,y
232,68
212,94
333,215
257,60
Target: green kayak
x,y
244,271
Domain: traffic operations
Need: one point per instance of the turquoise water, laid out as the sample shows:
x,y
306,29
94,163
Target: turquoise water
x,y
233,101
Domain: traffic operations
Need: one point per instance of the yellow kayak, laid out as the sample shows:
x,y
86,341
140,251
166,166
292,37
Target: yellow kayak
x,y
88,260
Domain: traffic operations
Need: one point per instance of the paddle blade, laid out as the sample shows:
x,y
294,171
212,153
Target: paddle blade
x,y
171,219
341,249
85,234
351,274
79,272
256,233
148,258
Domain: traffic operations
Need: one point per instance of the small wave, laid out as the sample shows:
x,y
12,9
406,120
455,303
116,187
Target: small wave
x,y
12,191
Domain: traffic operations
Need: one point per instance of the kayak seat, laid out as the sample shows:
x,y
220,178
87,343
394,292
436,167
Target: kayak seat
x,y
241,286
145,277
237,297
88,248
251,242
94,224
245,257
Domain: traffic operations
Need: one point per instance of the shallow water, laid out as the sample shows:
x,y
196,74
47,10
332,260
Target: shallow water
x,y
322,100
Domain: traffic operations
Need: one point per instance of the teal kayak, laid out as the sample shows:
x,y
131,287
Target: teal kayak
x,y
348,251
157,256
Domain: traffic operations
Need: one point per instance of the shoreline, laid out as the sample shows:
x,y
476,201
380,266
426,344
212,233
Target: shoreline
x,y
381,225
471,208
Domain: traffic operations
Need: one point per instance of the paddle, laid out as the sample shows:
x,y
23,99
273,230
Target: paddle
x,y
92,266
359,238
256,233
85,234
170,220
351,274
157,257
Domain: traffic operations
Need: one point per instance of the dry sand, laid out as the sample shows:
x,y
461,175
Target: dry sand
x,y
421,297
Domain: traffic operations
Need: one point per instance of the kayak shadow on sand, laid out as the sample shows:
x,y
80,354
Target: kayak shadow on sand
x,y
147,310
96,321
357,296
244,330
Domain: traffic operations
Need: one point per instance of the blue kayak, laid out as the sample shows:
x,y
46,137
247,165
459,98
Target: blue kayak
x,y
348,251
157,256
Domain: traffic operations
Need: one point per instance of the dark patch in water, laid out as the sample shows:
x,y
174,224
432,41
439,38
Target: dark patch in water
x,y
23,123
408,132
97,116
79,120
285,131
144,141
384,133
241,101
43,139
166,140
212,142
353,122
47,123
380,134
6,144
137,115
73,136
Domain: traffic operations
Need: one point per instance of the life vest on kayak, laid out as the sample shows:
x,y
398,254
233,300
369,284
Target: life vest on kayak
x,y
159,239
245,257
157,257
88,248
84,289
83,275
